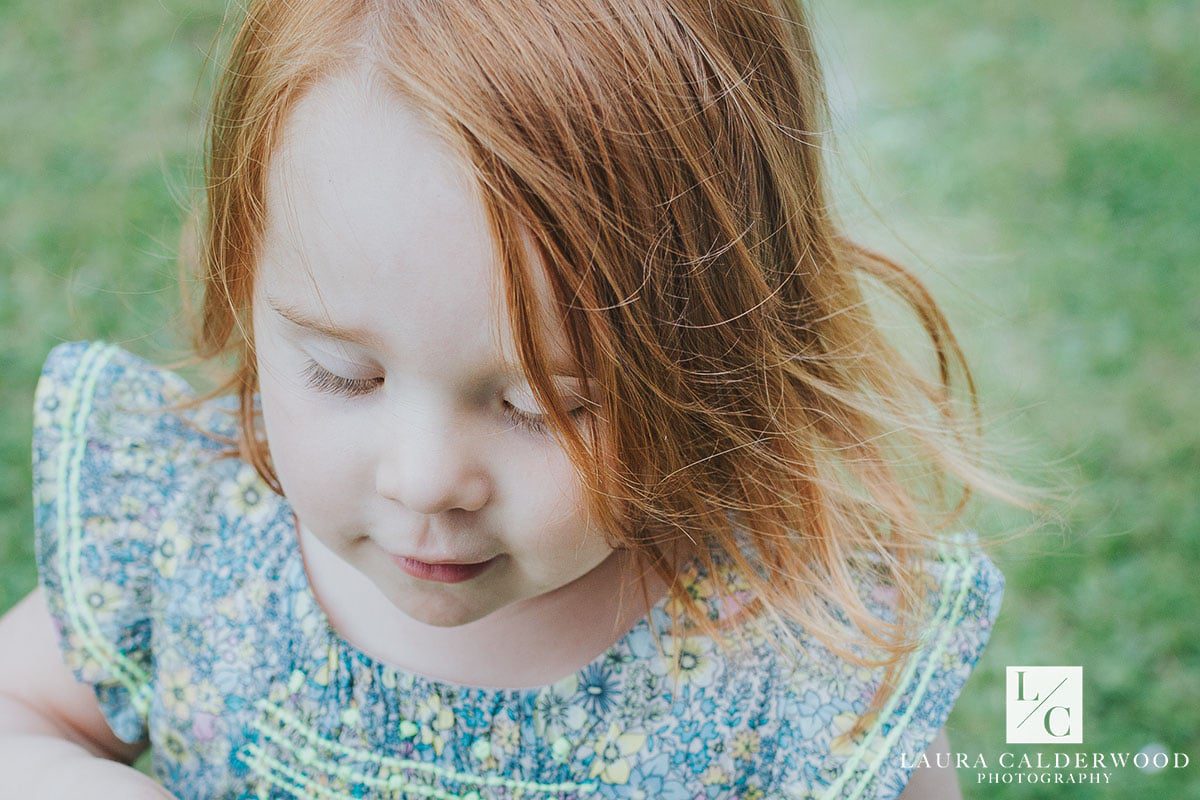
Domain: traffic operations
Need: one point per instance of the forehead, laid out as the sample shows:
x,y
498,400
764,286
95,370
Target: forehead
x,y
373,223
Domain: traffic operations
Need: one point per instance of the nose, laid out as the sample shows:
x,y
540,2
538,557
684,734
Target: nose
x,y
428,464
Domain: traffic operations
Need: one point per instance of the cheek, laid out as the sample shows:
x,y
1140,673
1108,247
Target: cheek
x,y
547,502
309,446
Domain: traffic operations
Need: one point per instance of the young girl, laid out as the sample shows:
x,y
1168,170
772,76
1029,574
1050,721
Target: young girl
x,y
561,458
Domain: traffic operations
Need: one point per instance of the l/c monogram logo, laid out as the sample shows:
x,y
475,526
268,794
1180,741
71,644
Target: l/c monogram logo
x,y
1044,705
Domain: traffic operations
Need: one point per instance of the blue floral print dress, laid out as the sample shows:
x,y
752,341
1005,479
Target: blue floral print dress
x,y
180,595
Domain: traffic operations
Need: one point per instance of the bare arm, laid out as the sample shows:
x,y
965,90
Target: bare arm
x,y
52,733
933,782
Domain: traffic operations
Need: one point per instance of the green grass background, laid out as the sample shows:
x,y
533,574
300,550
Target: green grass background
x,y
1036,162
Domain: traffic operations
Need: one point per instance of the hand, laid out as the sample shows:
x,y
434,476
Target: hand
x,y
100,779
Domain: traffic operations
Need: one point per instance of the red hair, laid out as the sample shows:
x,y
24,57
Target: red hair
x,y
663,161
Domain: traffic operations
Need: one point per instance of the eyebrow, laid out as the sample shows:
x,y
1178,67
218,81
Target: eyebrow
x,y
297,317
365,339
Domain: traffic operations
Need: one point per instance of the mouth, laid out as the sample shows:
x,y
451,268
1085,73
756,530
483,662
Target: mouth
x,y
443,571
449,562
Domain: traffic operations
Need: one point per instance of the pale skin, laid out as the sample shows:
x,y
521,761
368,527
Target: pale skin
x,y
378,275
933,782
377,267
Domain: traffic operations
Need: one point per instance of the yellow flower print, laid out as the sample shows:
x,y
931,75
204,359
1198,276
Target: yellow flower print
x,y
134,460
693,655
227,607
700,589
327,656
175,747
278,693
179,692
612,754
312,622
841,746
131,507
105,529
950,659
247,494
555,711
850,680
98,598
482,750
745,744
506,736
734,585
715,775
45,480
82,660
296,681
208,697
171,548
48,409
561,749
434,718
251,596
351,716
242,652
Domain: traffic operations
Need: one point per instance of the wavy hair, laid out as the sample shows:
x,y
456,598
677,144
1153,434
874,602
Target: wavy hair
x,y
662,161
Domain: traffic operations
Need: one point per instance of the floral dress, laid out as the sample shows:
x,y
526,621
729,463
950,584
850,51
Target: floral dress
x,y
180,595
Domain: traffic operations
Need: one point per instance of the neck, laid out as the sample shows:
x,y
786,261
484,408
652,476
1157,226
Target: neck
x,y
566,628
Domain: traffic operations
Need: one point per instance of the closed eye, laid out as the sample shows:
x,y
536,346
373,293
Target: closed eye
x,y
536,423
323,380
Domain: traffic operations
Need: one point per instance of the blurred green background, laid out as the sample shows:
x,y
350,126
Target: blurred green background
x,y
1037,163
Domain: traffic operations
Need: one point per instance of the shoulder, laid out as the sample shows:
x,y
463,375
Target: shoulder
x,y
129,495
76,373
124,454
114,442
102,395
821,696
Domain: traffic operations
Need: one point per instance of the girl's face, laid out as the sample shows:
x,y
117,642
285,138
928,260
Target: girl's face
x,y
403,429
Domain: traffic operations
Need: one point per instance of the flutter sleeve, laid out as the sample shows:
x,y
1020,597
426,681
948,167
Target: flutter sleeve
x,y
967,592
108,464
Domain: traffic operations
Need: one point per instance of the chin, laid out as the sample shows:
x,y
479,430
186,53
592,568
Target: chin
x,y
442,613
447,620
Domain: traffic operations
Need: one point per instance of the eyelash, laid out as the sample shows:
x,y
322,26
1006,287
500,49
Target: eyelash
x,y
323,380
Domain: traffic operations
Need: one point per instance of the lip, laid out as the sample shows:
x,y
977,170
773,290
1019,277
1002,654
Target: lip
x,y
444,562
442,571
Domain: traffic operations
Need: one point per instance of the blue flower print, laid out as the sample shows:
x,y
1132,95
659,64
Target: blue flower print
x,y
599,689
179,593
